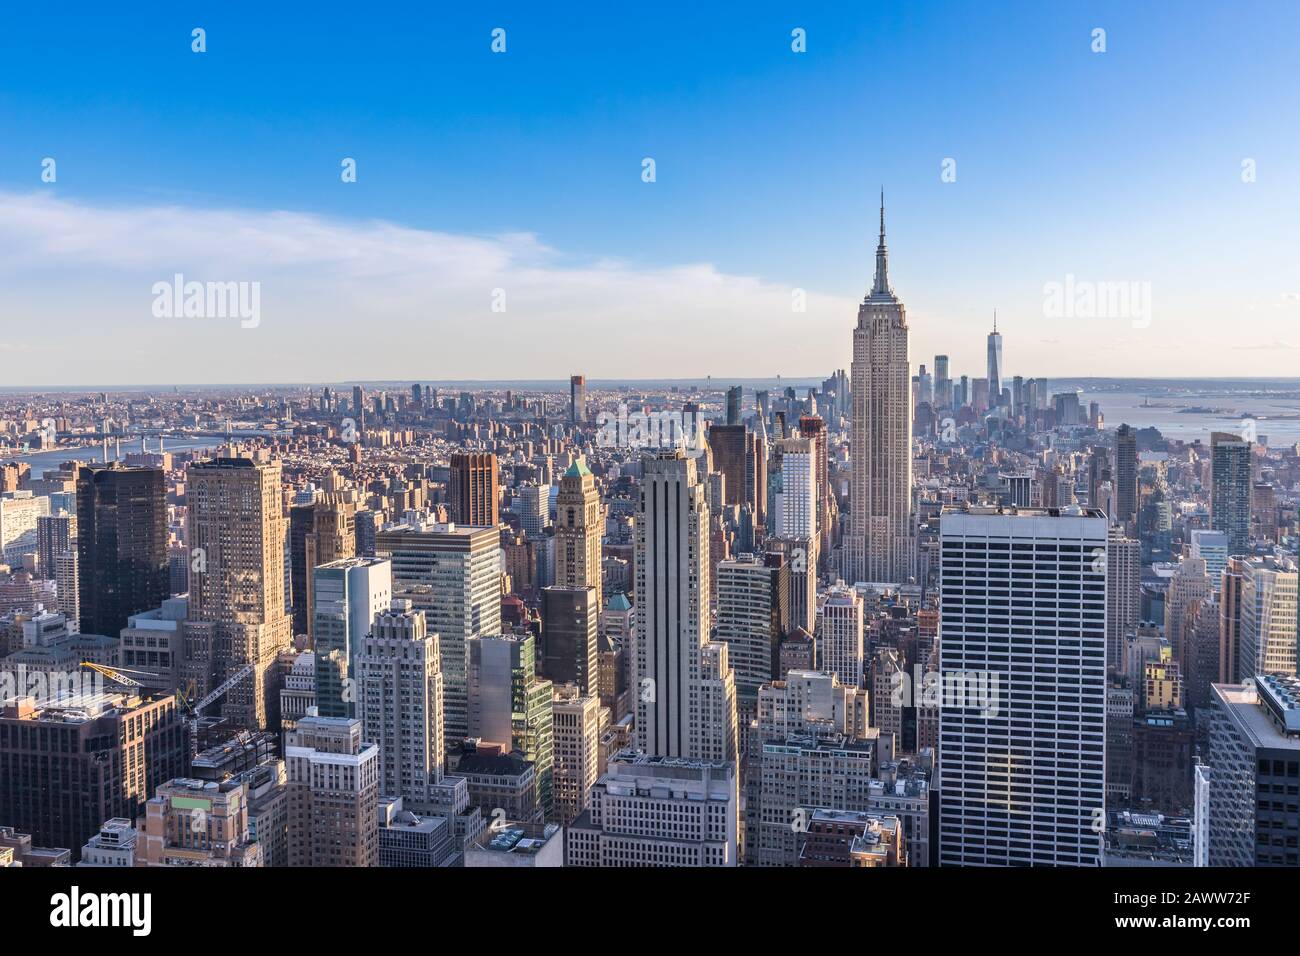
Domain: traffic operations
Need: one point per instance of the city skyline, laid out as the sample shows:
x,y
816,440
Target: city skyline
x,y
539,192
348,523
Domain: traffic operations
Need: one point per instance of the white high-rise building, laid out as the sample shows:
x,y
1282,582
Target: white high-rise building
x,y
658,811
1022,654
1267,644
719,732
672,622
1123,562
792,489
400,705
534,506
813,703
879,546
1213,547
839,634
346,596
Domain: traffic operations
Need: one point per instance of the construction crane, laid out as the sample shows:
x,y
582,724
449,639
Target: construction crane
x,y
119,675
221,689
123,676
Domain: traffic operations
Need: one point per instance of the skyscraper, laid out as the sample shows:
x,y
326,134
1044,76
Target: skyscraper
x,y
333,781
813,428
1254,762
577,398
577,751
656,811
1189,584
673,594
1230,491
121,545
1126,475
570,617
1267,635
732,446
237,613
473,489
839,634
792,489
1231,611
733,405
509,704
995,365
533,505
67,763
55,534
400,704
319,533
1123,593
578,530
753,616
942,383
346,596
1023,626
191,822
879,543
453,574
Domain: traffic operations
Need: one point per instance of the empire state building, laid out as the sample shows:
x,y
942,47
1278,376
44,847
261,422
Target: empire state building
x,y
879,546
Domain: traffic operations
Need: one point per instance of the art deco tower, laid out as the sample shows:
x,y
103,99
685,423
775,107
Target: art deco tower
x,y
578,529
879,543
237,613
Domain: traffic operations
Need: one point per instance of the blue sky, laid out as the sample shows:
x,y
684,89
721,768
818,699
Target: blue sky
x,y
1115,166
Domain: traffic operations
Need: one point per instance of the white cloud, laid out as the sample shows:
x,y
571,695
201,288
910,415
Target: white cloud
x,y
374,299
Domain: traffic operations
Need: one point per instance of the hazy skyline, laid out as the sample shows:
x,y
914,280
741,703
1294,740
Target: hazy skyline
x,y
522,171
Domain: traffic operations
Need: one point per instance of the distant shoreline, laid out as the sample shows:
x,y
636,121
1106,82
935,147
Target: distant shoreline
x,y
1082,383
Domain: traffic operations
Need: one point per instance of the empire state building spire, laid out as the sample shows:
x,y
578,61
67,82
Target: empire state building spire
x,y
881,286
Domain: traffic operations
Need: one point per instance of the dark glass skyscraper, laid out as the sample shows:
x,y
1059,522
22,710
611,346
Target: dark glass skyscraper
x,y
733,405
1230,495
1126,474
121,545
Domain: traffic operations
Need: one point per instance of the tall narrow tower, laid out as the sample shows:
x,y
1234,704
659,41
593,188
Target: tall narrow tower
x,y
879,544
995,365
672,626
578,530
237,613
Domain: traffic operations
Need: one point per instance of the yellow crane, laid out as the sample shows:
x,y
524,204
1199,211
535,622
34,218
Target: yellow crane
x,y
117,676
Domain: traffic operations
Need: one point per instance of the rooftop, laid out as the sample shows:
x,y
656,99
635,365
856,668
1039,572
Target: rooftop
x,y
1279,694
520,838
